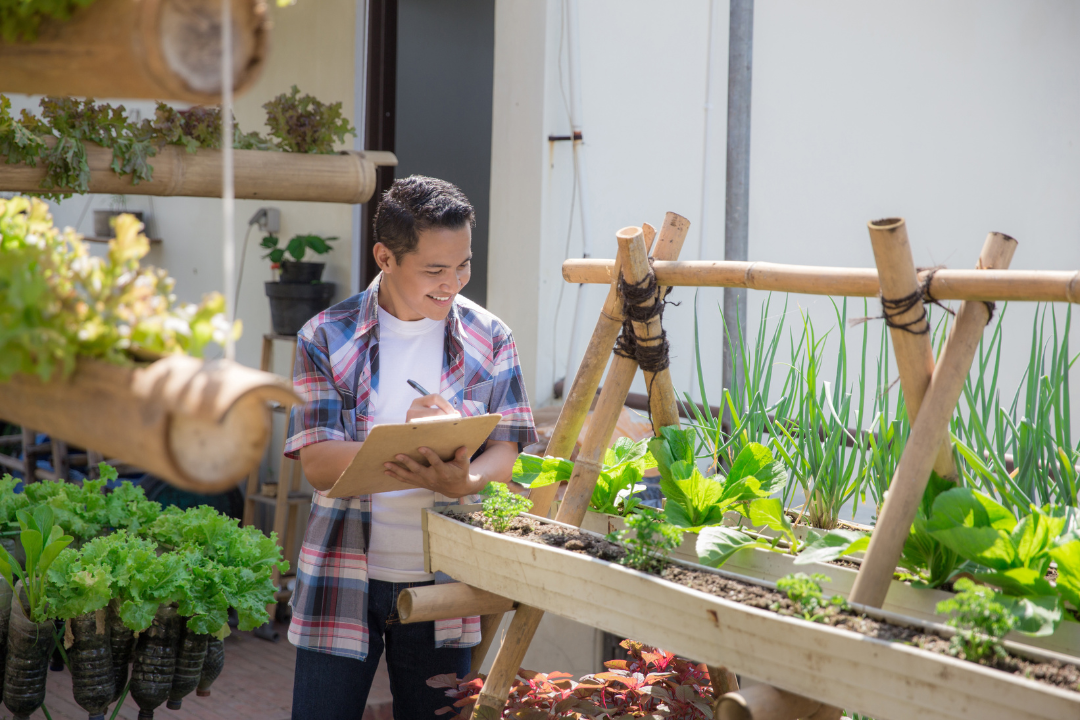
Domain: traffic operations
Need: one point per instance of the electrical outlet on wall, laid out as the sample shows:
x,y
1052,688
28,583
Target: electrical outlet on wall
x,y
268,219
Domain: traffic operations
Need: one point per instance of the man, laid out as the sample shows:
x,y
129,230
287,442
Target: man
x,y
352,366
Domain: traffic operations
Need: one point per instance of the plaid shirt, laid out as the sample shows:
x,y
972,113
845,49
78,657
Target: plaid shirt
x,y
337,375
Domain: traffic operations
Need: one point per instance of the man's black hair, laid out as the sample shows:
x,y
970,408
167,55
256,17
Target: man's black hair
x,y
415,204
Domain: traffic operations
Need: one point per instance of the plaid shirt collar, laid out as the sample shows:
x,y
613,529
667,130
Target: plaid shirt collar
x,y
368,321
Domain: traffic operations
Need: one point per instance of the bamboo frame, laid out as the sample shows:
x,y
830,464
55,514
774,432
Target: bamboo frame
x,y
152,49
346,177
437,602
980,285
200,426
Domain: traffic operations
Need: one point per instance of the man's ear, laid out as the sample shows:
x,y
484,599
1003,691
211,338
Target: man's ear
x,y
384,257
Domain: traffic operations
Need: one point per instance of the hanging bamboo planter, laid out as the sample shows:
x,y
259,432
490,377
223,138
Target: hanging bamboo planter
x,y
153,49
838,667
202,426
347,177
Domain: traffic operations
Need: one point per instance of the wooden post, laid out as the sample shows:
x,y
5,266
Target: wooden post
x,y
911,342
60,464
489,705
93,457
29,458
723,681
489,624
583,389
939,403
152,49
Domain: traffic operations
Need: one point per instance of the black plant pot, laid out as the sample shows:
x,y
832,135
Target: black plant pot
x,y
189,665
90,661
301,272
293,304
29,645
5,617
121,646
212,665
154,664
103,221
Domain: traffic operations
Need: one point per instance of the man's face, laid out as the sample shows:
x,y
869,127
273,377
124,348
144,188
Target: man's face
x,y
423,284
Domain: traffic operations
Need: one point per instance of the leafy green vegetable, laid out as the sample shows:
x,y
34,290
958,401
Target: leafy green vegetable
x,y
932,562
301,123
832,545
648,540
21,20
717,544
501,506
77,585
297,247
980,621
10,502
42,541
804,591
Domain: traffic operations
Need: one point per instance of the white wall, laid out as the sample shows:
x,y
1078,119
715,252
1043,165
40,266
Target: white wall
x,y
962,117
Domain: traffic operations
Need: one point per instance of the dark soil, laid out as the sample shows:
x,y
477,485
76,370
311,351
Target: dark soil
x,y
1053,673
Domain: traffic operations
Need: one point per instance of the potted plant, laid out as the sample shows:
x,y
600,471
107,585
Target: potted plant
x,y
299,294
103,219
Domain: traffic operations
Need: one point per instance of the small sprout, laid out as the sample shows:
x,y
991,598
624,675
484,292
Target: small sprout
x,y
980,621
804,591
648,540
501,506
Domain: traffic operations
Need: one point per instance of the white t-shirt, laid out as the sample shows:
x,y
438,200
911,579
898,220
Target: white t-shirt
x,y
407,351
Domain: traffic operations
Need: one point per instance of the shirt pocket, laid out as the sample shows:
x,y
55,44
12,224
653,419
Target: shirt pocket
x,y
476,399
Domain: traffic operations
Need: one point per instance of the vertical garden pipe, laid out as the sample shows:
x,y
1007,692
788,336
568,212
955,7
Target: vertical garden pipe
x,y
737,190
573,63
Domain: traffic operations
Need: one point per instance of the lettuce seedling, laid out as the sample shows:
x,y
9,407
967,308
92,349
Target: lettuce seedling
x,y
501,506
716,545
981,621
42,541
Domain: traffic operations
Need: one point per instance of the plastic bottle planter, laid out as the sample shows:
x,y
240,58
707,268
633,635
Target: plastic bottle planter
x,y
29,645
212,666
5,618
155,661
122,645
90,662
189,664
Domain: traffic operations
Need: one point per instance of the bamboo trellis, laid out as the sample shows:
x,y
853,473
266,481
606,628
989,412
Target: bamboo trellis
x,y
931,391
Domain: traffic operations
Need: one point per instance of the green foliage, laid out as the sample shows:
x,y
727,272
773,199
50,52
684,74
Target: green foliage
x,y
21,19
57,302
804,591
716,545
647,539
301,123
980,621
501,506
932,562
618,482
297,247
42,542
77,584
10,503
18,142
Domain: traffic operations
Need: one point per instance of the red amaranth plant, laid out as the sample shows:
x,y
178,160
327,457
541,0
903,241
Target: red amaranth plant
x,y
651,683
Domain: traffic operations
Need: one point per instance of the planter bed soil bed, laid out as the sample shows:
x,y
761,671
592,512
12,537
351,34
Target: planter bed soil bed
x,y
1054,672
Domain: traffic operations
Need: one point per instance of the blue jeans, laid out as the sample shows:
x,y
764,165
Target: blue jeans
x,y
331,687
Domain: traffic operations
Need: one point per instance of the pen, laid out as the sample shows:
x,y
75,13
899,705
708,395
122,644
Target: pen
x,y
417,387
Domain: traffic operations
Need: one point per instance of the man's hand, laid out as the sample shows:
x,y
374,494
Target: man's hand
x,y
451,478
428,406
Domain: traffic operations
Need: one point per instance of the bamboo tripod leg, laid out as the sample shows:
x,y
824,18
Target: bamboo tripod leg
x,y
939,403
586,470
488,625
914,352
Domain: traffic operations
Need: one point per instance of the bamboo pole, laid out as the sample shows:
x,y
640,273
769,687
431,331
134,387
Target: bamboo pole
x,y
982,285
586,469
939,403
913,350
587,379
723,681
200,426
663,402
347,177
489,624
764,702
153,49
449,600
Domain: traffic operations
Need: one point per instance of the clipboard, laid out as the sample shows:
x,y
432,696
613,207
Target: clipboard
x,y
442,433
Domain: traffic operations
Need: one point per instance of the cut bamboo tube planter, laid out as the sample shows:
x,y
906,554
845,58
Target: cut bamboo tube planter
x,y
347,177
200,426
449,600
885,680
985,285
153,49
913,350
909,482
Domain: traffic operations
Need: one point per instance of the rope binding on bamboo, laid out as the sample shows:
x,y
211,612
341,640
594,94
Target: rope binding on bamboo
x,y
893,308
651,352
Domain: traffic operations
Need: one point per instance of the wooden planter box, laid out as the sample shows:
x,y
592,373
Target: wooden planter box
x,y
347,177
903,599
887,681
202,426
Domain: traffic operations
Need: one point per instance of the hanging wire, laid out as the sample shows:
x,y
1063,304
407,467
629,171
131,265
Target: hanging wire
x,y
228,200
